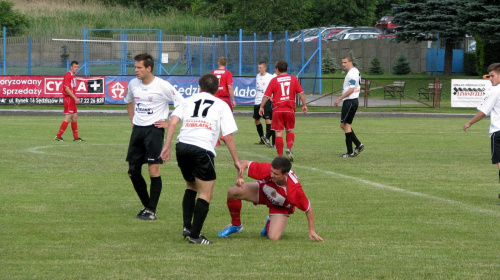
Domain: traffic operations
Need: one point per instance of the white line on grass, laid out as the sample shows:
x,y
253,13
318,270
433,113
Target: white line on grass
x,y
467,207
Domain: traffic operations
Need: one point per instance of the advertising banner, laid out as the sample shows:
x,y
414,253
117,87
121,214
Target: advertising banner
x,y
116,87
468,93
48,89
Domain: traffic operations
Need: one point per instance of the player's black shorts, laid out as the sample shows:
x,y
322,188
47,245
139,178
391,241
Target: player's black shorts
x,y
349,108
495,147
268,111
145,145
195,162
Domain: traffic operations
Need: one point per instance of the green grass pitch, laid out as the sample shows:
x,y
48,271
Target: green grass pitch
x,y
419,203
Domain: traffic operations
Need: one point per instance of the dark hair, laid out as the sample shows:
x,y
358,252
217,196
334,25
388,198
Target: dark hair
x,y
73,63
281,65
262,62
494,67
209,83
222,61
348,57
147,59
282,163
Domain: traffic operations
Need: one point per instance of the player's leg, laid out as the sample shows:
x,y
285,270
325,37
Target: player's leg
x,y
495,151
74,127
67,118
201,208
188,203
278,127
248,192
258,125
345,124
135,158
277,224
153,142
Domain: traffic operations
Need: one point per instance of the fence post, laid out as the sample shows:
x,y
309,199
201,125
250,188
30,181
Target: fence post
x,y
437,93
29,55
254,54
320,86
240,51
4,30
213,51
201,55
271,50
160,51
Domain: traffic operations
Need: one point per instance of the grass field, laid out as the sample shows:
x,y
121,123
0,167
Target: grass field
x,y
419,203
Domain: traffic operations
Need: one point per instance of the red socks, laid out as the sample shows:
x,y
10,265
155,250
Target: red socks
x,y
290,138
234,207
74,127
62,129
279,145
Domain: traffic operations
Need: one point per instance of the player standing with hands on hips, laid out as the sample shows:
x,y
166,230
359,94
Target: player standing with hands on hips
x,y
350,94
282,90
147,106
70,101
491,106
203,117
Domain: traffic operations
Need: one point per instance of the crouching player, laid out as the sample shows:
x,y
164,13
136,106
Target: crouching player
x,y
278,188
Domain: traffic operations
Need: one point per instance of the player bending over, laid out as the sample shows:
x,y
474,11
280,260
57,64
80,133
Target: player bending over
x,y
278,188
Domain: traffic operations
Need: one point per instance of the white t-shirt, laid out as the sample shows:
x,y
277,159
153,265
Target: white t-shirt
x,y
151,101
261,83
491,106
203,117
352,80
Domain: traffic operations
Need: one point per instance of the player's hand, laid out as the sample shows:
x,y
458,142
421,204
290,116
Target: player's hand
x,y
161,124
77,101
239,182
261,111
315,237
165,154
337,102
234,103
466,125
304,109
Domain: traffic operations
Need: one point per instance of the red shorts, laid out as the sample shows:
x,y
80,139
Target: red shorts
x,y
273,209
282,120
226,99
69,105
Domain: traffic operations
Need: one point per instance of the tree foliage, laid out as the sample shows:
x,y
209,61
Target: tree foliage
x,y
402,66
14,21
424,20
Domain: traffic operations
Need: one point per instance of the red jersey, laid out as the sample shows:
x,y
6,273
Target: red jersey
x,y
289,196
225,79
282,90
69,82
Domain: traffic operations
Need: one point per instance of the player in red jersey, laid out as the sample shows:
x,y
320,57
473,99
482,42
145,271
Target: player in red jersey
x,y
226,91
70,100
282,90
279,189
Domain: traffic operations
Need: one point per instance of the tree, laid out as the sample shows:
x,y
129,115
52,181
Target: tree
x,y
425,20
402,66
328,65
348,12
375,68
14,21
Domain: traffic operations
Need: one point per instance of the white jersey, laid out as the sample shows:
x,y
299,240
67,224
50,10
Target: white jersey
x,y
352,80
491,106
261,83
203,117
151,101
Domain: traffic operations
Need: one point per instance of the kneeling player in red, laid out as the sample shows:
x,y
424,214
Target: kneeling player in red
x,y
279,189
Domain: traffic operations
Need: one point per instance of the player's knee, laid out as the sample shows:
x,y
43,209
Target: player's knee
x,y
134,170
232,193
274,237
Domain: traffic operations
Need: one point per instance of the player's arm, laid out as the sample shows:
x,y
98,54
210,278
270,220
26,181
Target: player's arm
x,y
231,94
72,95
302,97
231,146
165,152
479,116
130,111
346,94
313,236
262,104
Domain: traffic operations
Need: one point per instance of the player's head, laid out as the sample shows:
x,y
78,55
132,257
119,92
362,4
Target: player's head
x,y
281,66
222,61
209,83
73,66
347,63
144,64
280,166
262,67
494,73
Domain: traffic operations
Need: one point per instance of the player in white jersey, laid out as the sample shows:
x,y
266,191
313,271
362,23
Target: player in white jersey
x,y
350,94
491,106
203,117
261,82
147,103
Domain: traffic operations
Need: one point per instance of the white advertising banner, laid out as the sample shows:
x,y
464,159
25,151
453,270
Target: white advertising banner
x,y
468,93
